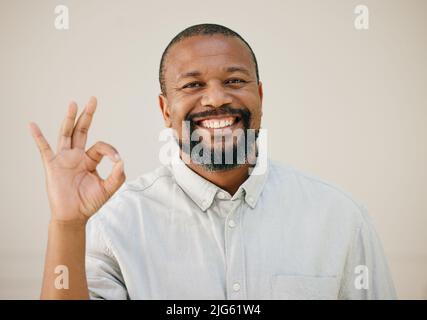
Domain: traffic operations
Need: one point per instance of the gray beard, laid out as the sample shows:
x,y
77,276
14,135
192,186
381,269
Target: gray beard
x,y
241,153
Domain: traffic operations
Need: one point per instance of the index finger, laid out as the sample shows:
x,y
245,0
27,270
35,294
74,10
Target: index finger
x,y
44,147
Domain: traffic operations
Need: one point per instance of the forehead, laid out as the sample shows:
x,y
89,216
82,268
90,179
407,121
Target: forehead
x,y
207,53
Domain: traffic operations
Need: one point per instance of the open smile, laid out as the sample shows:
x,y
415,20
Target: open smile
x,y
218,122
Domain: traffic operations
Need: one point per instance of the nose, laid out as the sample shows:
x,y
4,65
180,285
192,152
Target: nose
x,y
215,96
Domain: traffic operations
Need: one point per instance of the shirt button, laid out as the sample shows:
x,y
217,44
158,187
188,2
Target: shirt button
x,y
236,286
221,195
204,203
231,223
250,200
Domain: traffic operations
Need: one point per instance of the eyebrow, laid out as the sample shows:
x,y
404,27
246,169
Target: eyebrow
x,y
238,69
193,74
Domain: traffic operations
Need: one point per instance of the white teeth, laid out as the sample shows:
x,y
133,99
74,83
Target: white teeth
x,y
215,124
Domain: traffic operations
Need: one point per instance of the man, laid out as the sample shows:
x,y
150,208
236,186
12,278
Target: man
x,y
202,227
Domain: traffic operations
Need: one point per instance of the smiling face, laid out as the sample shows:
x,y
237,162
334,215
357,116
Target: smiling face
x,y
211,83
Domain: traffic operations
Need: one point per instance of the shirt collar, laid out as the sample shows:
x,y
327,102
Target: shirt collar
x,y
203,192
254,185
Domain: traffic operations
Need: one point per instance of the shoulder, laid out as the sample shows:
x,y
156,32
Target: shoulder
x,y
126,204
324,197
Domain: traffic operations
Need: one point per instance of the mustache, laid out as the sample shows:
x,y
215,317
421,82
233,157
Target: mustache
x,y
226,109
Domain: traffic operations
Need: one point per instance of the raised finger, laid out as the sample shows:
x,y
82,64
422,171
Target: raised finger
x,y
81,129
66,131
44,147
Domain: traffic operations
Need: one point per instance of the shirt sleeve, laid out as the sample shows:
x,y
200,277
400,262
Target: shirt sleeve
x,y
103,273
366,274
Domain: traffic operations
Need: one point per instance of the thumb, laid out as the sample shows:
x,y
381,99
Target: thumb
x,y
115,179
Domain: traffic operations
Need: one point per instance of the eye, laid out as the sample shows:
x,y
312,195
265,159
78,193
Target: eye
x,y
234,81
193,85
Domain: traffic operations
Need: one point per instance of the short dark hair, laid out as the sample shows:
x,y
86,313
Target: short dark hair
x,y
201,29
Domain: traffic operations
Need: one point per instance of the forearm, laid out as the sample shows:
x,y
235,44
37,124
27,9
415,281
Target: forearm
x,y
64,273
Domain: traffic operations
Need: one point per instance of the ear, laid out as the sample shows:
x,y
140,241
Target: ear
x,y
164,108
260,92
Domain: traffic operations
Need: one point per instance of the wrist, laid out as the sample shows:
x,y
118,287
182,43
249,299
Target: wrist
x,y
77,223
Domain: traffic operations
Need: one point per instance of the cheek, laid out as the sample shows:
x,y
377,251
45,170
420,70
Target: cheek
x,y
256,118
252,101
177,119
179,111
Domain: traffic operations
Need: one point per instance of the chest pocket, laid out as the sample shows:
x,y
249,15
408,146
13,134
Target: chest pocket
x,y
286,287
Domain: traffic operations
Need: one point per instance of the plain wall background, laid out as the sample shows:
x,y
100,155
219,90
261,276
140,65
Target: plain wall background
x,y
345,105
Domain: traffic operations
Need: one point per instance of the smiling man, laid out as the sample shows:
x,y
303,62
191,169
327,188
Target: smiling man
x,y
209,81
203,226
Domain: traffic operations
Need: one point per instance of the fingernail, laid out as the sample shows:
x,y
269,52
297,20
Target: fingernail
x,y
117,157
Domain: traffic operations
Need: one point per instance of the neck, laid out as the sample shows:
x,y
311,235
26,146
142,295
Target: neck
x,y
228,180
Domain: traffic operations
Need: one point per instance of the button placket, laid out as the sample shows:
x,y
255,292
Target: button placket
x,y
231,223
236,286
234,254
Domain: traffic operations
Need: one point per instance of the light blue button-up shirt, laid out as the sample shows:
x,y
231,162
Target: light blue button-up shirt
x,y
171,234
